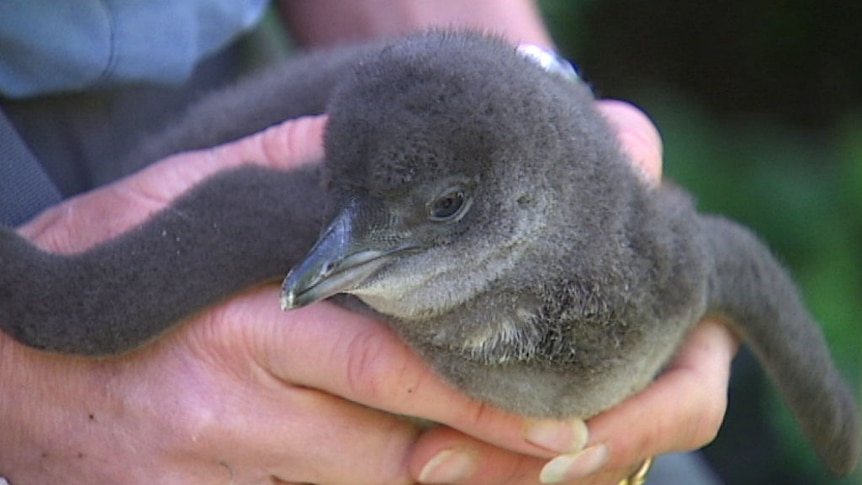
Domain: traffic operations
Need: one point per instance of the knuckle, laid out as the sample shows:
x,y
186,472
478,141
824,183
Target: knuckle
x,y
708,421
702,417
189,423
483,415
378,370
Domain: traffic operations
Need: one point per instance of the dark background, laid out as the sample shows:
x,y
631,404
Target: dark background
x,y
760,108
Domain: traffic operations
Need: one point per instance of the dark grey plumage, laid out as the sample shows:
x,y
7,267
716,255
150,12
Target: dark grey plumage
x,y
478,203
131,289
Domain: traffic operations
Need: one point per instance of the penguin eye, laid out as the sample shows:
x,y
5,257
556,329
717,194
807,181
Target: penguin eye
x,y
449,206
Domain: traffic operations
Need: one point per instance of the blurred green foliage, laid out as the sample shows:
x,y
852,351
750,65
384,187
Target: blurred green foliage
x,y
760,110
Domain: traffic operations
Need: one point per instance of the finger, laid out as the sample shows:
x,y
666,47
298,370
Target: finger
x,y
83,221
364,361
444,455
682,410
286,145
637,134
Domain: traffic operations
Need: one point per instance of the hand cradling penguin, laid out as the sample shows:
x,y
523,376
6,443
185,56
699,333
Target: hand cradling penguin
x,y
476,201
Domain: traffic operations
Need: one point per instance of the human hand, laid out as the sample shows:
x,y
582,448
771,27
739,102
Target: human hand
x,y
242,393
231,394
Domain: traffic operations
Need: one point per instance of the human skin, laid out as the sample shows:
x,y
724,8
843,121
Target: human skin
x,y
244,393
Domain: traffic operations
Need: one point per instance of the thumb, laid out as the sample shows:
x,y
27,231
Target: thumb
x,y
682,410
637,134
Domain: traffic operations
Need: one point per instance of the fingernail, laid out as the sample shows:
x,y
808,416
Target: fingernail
x,y
448,466
558,436
571,467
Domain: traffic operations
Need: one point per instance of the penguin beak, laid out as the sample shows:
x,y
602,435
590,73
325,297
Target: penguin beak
x,y
343,257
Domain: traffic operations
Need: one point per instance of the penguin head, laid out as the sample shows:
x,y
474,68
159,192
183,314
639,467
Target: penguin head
x,y
445,156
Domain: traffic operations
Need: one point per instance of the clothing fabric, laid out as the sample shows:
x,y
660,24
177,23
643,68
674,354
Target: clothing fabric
x,y
48,46
24,187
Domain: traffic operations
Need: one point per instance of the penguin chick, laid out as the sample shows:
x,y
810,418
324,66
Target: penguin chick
x,y
481,205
